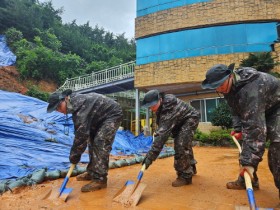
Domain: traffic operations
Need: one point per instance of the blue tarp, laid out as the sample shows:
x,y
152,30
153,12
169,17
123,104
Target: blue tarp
x,y
31,138
7,58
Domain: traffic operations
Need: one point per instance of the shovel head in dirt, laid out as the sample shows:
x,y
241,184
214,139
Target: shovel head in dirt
x,y
63,192
131,192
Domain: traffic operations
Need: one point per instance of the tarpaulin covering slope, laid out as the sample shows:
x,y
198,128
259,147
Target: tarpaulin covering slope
x,y
31,138
7,58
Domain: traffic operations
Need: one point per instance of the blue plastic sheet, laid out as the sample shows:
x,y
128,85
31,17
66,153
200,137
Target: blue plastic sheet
x,y
7,58
31,138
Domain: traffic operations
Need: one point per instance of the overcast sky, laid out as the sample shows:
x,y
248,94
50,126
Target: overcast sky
x,y
115,16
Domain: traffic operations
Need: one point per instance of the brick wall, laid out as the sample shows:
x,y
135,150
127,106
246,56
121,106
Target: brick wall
x,y
187,70
207,14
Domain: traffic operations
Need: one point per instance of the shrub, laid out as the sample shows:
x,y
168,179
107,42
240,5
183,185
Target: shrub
x,y
36,93
263,61
219,137
200,136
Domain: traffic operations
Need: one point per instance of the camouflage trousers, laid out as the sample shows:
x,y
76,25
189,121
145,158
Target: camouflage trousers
x,y
184,157
100,145
274,162
273,134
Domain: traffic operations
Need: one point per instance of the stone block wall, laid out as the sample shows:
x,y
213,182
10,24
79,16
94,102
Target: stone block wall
x,y
216,12
193,69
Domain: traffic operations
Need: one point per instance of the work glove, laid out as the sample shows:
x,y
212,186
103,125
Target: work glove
x,y
248,169
237,135
74,159
147,162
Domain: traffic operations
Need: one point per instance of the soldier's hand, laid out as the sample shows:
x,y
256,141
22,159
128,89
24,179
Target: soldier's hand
x,y
237,135
147,162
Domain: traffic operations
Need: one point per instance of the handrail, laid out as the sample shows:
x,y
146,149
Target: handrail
x,y
116,73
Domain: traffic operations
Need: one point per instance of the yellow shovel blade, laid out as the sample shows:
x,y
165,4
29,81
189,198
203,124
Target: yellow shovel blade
x,y
129,198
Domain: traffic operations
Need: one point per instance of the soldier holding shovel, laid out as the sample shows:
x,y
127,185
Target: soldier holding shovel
x,y
254,98
178,118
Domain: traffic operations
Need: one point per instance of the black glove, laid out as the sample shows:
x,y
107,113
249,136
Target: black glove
x,y
74,159
147,162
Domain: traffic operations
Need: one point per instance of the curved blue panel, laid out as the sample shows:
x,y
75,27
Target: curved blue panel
x,y
238,38
145,7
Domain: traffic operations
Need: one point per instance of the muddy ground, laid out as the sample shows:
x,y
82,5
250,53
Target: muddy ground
x,y
215,167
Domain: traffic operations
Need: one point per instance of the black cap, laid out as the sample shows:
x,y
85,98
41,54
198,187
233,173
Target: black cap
x,y
151,98
216,75
56,98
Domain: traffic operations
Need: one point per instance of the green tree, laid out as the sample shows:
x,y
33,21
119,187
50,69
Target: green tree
x,y
222,116
262,61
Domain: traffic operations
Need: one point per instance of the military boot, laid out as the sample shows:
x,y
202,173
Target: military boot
x,y
180,181
94,185
239,184
84,177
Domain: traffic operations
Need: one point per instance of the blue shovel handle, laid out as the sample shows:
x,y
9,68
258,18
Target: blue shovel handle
x,y
66,179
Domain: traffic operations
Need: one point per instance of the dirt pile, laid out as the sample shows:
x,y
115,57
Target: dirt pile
x,y
9,81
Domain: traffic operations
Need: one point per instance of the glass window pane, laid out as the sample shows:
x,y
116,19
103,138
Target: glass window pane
x,y
210,107
196,105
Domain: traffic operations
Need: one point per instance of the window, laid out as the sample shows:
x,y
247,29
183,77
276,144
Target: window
x,y
206,107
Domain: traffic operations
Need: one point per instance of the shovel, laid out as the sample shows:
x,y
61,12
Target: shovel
x,y
249,188
63,192
130,193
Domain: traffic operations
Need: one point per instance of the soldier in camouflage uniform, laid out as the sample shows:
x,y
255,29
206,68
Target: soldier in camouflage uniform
x,y
254,98
96,119
178,118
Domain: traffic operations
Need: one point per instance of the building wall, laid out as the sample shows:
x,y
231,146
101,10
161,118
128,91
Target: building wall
x,y
191,70
205,14
164,62
187,70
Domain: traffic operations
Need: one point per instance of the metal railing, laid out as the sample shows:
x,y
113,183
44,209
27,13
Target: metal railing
x,y
116,73
130,94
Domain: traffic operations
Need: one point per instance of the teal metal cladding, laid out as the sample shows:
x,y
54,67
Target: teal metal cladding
x,y
145,7
229,39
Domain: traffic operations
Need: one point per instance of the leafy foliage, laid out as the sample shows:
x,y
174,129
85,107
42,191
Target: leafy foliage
x,y
219,137
36,93
47,48
222,116
263,61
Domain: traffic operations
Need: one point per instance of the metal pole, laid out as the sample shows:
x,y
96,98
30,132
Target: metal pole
x,y
148,126
137,112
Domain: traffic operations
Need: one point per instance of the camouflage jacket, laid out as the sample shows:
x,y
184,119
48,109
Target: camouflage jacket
x,y
253,95
171,115
88,110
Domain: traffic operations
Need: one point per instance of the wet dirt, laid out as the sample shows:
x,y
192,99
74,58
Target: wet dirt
x,y
216,166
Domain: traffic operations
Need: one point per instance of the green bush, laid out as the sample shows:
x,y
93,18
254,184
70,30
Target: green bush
x,y
36,93
200,136
219,137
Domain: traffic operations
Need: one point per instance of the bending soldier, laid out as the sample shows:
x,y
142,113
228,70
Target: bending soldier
x,y
254,98
175,117
96,119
